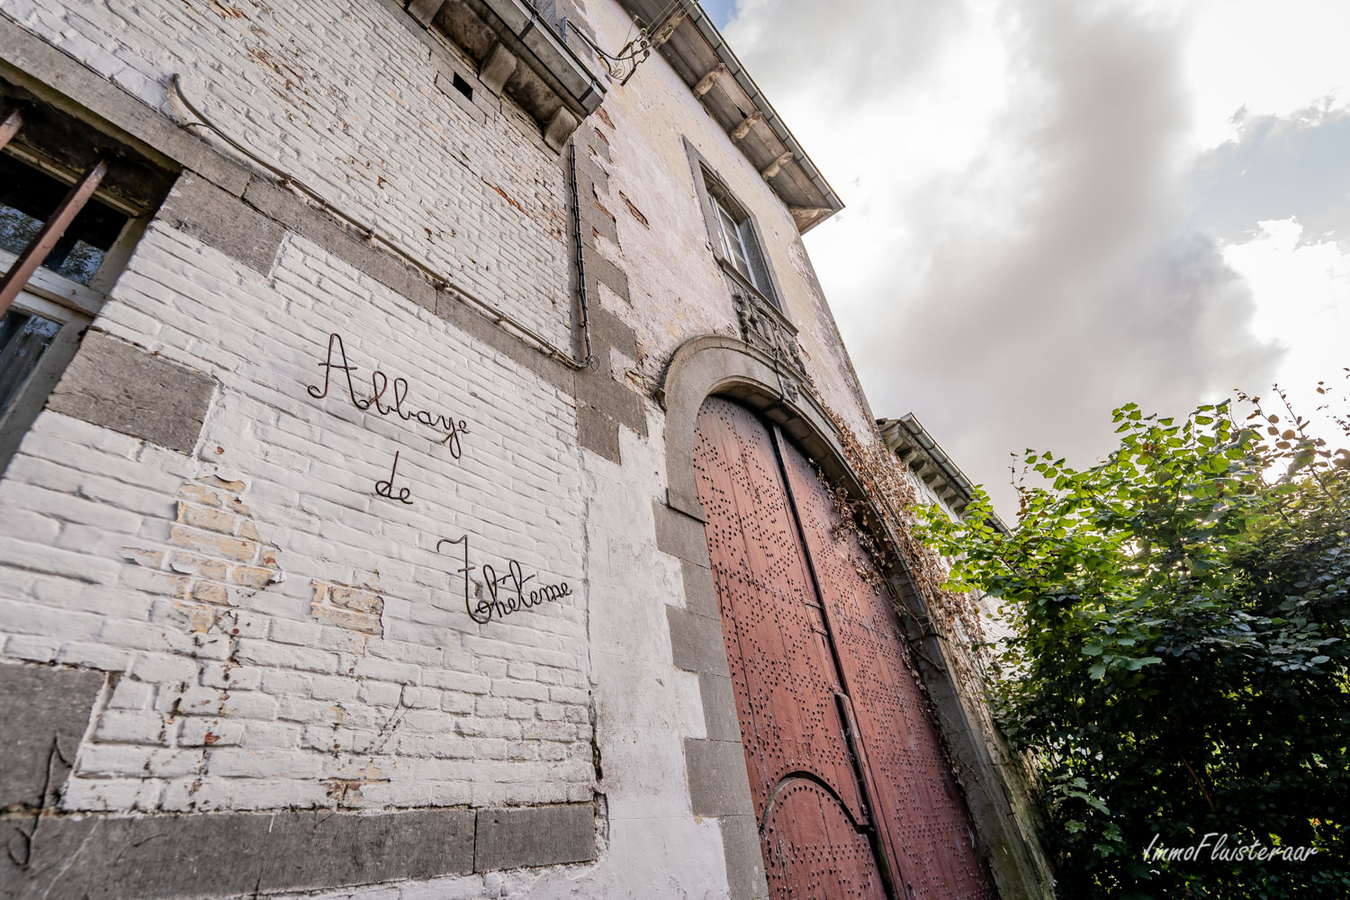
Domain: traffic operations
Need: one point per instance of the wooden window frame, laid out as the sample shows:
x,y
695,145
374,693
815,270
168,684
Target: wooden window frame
x,y
26,286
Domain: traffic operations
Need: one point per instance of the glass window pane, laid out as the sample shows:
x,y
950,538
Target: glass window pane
x,y
28,197
17,228
24,337
727,229
731,236
747,238
737,253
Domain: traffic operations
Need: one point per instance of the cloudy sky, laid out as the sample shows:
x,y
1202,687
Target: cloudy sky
x,y
1058,206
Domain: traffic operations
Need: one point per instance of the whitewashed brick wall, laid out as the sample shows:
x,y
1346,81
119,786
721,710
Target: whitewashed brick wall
x,y
676,289
285,637
341,95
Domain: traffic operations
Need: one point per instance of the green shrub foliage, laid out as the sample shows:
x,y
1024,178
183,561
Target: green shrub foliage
x,y
1179,660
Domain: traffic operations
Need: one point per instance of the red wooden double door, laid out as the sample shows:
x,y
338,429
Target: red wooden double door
x,y
853,794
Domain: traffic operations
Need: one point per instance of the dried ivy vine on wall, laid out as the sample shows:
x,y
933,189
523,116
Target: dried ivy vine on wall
x,y
893,495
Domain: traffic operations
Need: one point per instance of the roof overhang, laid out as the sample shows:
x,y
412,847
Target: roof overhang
x,y
702,58
519,53
910,441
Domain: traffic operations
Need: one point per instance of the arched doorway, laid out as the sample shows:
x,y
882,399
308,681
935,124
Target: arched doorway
x,y
851,791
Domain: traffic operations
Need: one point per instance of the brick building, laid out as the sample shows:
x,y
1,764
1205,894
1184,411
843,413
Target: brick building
x,y
373,377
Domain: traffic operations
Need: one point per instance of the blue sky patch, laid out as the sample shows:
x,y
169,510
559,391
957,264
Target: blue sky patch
x,y
720,11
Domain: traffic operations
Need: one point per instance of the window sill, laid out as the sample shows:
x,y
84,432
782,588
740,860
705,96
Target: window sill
x,y
57,288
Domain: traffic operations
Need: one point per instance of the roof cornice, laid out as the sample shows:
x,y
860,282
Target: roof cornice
x,y
701,57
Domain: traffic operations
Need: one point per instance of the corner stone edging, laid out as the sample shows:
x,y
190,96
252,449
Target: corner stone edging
x,y
718,784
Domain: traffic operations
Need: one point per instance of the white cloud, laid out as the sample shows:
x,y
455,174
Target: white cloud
x,y
1302,295
1020,250
1269,58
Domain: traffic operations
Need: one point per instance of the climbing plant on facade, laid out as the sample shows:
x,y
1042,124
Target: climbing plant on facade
x,y
1178,668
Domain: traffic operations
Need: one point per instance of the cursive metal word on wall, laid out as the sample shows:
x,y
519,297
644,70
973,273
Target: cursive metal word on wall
x,y
506,592
392,405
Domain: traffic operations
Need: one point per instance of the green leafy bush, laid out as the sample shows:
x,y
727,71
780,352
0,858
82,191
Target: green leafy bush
x,y
1179,660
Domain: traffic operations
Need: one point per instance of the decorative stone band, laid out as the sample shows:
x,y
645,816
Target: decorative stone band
x,y
243,854
227,854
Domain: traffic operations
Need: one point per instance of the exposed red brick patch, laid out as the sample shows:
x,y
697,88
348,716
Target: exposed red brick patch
x,y
224,11
507,198
637,213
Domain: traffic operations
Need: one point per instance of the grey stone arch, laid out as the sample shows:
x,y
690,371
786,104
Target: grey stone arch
x,y
715,365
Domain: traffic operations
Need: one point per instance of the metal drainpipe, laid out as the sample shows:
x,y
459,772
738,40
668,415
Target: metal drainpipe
x,y
580,257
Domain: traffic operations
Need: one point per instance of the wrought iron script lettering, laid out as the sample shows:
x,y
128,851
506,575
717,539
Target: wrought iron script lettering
x,y
386,488
380,385
506,592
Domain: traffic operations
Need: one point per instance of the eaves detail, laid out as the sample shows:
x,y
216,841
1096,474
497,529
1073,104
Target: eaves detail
x,y
519,53
697,52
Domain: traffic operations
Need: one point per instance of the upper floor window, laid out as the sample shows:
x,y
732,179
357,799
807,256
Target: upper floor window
x,y
736,242
30,198
70,212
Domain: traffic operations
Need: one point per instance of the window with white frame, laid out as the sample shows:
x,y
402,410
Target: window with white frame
x,y
66,230
736,242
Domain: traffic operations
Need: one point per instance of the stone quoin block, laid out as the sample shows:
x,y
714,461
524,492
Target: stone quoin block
x,y
719,707
745,859
680,535
700,594
717,779
222,221
696,642
45,712
120,386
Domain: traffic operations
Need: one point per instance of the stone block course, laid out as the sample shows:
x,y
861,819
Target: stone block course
x,y
238,854
45,713
538,836
113,383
